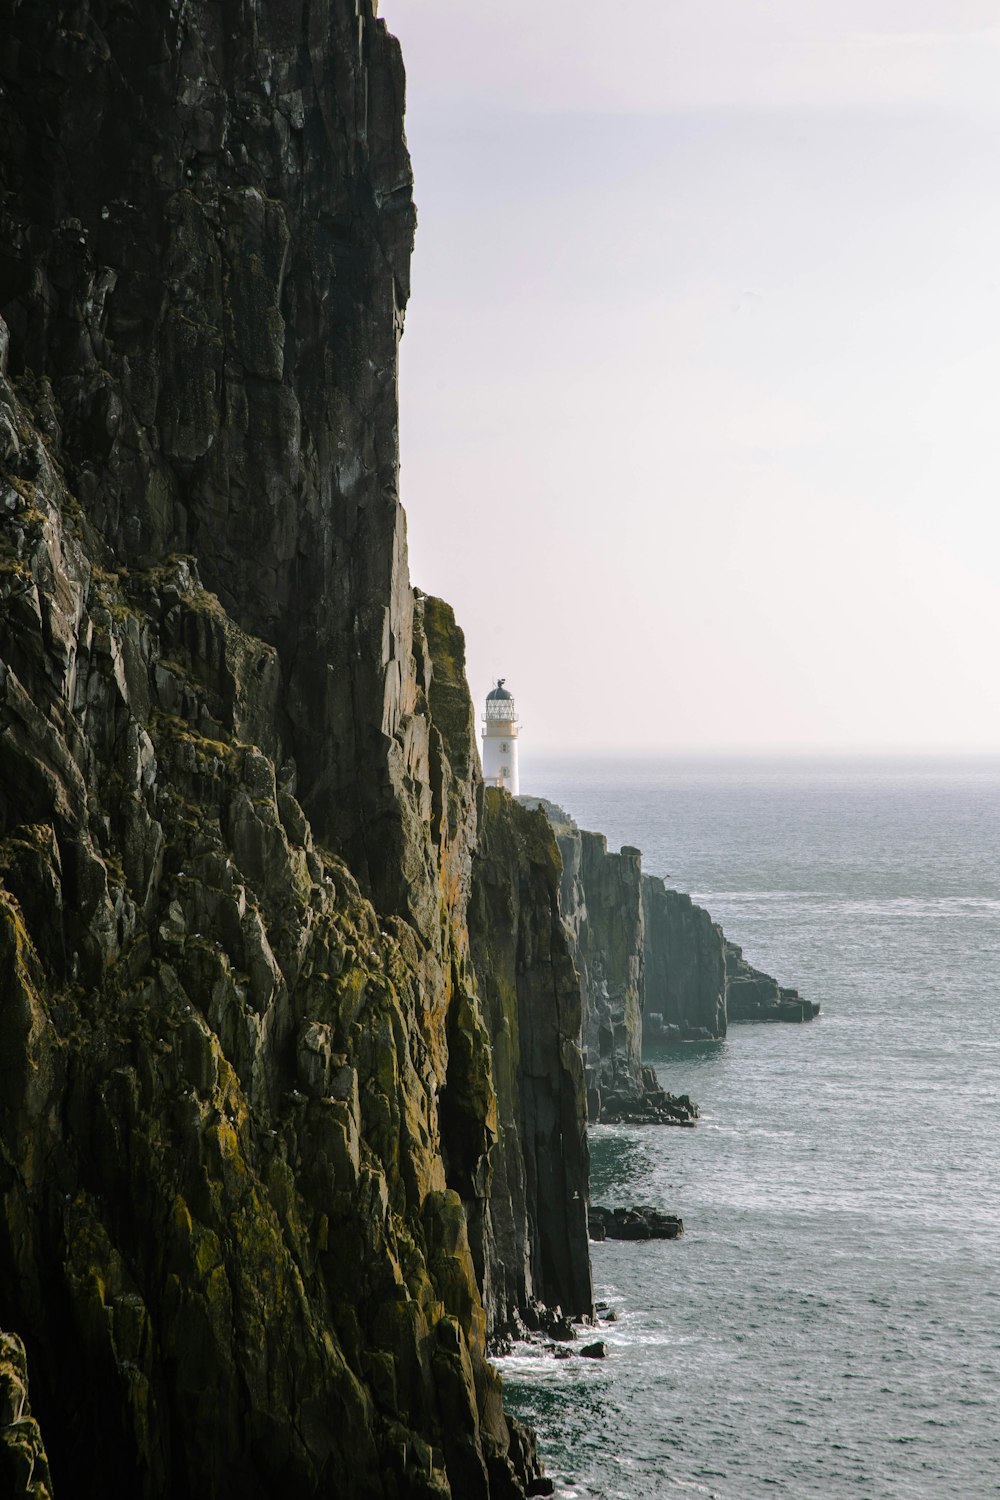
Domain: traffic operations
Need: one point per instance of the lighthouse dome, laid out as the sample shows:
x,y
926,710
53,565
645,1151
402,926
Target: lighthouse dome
x,y
500,704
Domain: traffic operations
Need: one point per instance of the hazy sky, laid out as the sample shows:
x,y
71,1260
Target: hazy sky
x,y
701,370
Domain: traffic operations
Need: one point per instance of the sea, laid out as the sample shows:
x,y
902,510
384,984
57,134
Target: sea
x,y
828,1326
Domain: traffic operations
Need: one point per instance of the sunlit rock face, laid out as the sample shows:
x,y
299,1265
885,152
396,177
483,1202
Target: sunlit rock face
x,y
24,1467
248,1102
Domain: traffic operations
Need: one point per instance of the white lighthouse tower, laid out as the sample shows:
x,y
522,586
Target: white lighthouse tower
x,y
500,740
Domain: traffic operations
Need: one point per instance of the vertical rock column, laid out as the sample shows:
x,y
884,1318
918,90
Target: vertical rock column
x,y
229,1138
610,954
534,1240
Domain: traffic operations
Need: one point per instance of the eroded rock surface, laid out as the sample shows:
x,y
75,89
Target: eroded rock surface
x,y
228,1234
24,1467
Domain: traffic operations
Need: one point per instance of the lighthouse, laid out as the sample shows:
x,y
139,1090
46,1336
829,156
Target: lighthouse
x,y
500,739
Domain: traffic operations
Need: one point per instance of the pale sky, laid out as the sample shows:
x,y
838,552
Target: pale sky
x,y
701,371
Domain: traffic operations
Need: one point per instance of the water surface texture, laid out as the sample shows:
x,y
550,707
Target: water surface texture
x,y
829,1326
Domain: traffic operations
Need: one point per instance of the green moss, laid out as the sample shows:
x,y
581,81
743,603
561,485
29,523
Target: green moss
x,y
172,728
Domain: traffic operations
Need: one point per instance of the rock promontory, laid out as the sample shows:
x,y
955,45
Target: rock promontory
x,y
601,905
653,967
756,996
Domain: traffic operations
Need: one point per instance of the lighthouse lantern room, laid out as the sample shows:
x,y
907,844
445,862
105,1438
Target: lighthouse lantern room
x,y
500,739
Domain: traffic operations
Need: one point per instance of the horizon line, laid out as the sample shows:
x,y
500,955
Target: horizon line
x,y
758,752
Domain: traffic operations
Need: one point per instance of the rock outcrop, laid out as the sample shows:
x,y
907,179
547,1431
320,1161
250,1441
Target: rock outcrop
x,y
753,995
641,1223
248,1110
24,1467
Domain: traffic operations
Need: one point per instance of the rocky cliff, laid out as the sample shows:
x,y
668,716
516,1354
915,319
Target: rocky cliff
x,y
684,966
653,966
601,905
601,898
248,1109
536,1214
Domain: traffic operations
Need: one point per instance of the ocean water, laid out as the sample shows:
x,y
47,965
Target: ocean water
x,y
828,1328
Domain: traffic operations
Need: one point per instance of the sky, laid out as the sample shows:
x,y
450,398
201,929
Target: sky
x,y
700,377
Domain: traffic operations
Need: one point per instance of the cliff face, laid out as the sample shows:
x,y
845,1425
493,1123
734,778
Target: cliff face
x,y
609,949
684,965
246,1080
535,1230
206,227
227,1232
652,965
600,898
601,905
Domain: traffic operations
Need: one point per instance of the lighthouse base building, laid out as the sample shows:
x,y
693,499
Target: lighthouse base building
x,y
500,740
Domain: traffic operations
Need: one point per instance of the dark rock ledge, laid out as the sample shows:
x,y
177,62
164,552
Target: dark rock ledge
x,y
756,996
641,1223
653,1106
